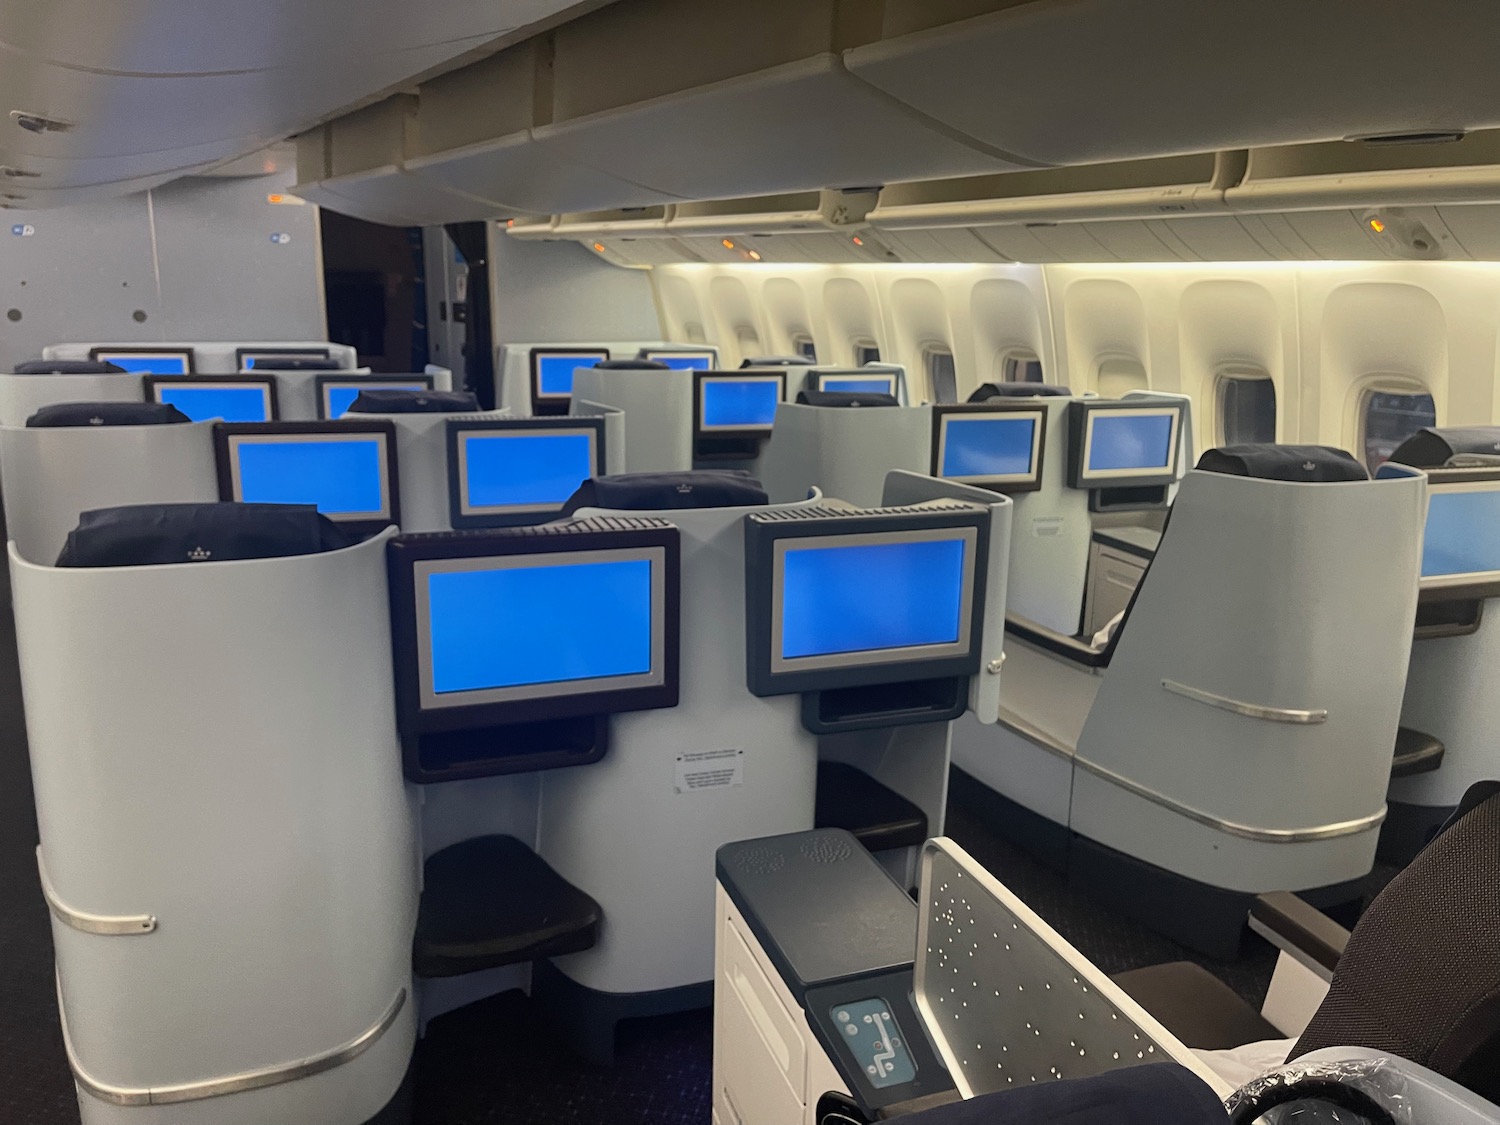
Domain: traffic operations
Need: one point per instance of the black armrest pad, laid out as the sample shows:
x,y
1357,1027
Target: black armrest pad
x,y
1303,926
1415,753
917,1105
1059,644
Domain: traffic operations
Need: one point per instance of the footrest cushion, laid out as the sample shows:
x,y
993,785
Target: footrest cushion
x,y
492,901
878,817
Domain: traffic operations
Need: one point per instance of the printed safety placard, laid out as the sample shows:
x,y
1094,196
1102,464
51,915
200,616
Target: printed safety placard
x,y
702,770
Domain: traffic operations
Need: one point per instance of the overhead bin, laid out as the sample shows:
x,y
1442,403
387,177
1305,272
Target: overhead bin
x,y
1079,81
811,226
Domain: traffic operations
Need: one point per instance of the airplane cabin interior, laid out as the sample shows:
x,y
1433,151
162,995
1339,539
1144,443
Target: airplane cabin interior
x,y
813,562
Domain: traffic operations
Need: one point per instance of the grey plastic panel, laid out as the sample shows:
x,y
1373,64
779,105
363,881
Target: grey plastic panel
x,y
1008,1001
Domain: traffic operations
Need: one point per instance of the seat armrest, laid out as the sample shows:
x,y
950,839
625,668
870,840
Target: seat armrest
x,y
917,1105
1300,930
1059,644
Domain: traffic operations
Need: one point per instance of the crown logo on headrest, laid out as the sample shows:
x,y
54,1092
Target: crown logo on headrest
x,y
1308,466
200,554
96,421
684,488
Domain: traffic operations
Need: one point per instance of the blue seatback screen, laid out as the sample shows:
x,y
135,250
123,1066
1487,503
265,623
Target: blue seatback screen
x,y
731,404
683,362
516,625
1463,533
862,598
231,403
1130,441
341,397
340,476
149,364
865,385
555,372
506,470
988,447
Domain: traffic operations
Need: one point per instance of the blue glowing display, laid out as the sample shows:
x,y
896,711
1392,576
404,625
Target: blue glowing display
x,y
863,598
1463,533
1130,441
148,364
341,476
512,626
683,362
516,469
988,447
732,404
860,384
231,403
555,372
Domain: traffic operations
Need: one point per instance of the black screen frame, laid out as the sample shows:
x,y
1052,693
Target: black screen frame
x,y
1079,413
404,552
761,536
223,460
740,375
544,404
149,383
1025,406
135,352
457,427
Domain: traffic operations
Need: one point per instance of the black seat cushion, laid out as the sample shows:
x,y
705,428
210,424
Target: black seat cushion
x,y
161,534
846,398
68,367
654,492
1431,447
492,901
69,414
987,391
1196,1006
296,363
878,817
1310,464
414,402
631,365
777,361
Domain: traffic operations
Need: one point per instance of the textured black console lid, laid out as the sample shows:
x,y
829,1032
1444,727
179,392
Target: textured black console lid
x,y
820,905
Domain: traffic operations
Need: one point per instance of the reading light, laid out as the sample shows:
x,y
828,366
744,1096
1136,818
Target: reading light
x,y
858,241
728,244
1377,225
755,255
599,246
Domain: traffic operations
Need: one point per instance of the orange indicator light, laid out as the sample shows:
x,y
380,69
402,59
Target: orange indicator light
x,y
1377,226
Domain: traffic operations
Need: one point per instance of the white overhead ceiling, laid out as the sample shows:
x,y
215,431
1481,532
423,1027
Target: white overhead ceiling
x,y
152,89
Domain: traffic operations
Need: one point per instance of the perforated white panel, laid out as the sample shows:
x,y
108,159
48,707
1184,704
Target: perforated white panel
x,y
1008,1001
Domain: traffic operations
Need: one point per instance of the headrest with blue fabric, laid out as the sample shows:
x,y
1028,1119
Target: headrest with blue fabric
x,y
777,361
630,365
655,492
845,398
1432,447
987,391
296,363
414,402
162,534
61,414
1309,464
68,367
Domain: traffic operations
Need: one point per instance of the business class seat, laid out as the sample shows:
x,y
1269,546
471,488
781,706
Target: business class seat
x,y
225,843
986,391
1419,976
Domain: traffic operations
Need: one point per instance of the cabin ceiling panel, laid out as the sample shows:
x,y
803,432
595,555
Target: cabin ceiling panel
x,y
1177,76
150,78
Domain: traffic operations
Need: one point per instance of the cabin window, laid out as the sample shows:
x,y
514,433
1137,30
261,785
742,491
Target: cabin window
x,y
942,375
1118,377
866,352
1389,417
1018,368
1247,408
805,347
